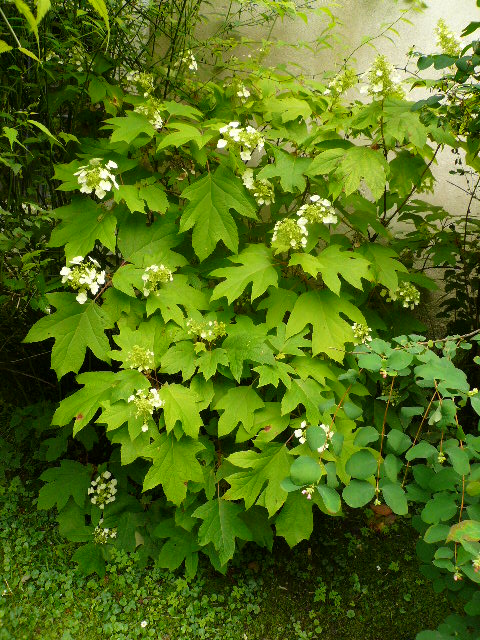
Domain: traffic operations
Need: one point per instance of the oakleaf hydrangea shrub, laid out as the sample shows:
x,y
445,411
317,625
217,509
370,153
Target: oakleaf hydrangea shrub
x,y
244,322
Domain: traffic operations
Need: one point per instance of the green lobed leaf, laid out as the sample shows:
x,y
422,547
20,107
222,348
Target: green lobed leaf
x,y
208,212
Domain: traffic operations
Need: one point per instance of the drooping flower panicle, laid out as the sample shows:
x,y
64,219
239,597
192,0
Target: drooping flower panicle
x,y
141,359
152,110
246,139
83,276
103,490
208,330
446,41
262,190
153,278
145,403
317,210
383,80
406,293
361,333
97,177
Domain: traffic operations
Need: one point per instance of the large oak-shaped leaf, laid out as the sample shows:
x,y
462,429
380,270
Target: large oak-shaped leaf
x,y
174,464
256,267
208,212
74,327
324,310
83,222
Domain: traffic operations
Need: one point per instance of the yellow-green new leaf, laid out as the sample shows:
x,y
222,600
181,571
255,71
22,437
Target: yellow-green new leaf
x,y
323,309
174,464
74,327
331,262
257,268
269,467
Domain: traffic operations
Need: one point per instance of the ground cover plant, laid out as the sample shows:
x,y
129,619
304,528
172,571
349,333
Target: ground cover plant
x,y
237,306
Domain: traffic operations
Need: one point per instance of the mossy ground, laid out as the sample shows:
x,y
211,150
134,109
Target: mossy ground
x,y
348,582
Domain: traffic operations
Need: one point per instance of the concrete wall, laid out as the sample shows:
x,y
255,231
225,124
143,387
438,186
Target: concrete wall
x,y
362,18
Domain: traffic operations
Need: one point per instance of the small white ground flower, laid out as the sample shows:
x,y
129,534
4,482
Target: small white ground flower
x,y
154,276
143,624
83,276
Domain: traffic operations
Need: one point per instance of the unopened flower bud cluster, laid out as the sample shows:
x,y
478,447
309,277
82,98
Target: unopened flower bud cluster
x,y
446,40
262,189
97,177
206,330
247,139
103,535
103,489
407,294
145,403
361,333
152,111
141,359
289,234
383,81
154,276
83,276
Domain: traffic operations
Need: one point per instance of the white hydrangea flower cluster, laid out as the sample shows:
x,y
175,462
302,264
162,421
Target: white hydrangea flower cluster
x,y
361,333
289,234
383,81
243,93
301,435
83,276
141,359
446,40
262,189
207,330
103,489
155,275
248,139
342,82
103,535
407,294
140,80
152,111
97,177
318,210
145,403
189,60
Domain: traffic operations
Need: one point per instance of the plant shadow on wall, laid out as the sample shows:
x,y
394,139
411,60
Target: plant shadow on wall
x,y
231,265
